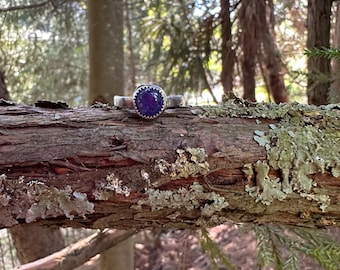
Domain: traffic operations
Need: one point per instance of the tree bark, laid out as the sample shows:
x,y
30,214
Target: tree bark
x,y
106,44
272,57
334,92
228,54
33,242
3,87
250,44
318,25
106,50
194,166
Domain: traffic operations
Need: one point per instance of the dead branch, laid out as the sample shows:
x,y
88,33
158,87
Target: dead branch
x,y
80,252
101,167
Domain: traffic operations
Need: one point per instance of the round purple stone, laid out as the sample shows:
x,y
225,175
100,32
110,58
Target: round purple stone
x,y
149,101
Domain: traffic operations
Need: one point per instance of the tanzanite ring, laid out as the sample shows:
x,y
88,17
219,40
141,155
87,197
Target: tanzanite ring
x,y
149,101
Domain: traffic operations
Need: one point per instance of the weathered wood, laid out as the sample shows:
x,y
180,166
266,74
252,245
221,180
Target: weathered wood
x,y
80,252
102,167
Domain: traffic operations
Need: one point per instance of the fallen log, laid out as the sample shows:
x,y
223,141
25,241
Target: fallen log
x,y
101,167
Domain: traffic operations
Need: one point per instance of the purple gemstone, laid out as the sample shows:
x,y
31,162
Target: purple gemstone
x,y
149,101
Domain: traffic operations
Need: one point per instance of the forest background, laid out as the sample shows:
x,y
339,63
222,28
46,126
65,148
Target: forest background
x,y
198,48
185,46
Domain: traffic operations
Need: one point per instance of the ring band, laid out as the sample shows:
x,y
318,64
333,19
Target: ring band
x,y
149,101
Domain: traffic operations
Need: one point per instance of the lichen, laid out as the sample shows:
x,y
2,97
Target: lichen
x,y
189,162
111,184
146,177
236,107
4,197
266,189
305,142
190,199
51,202
43,201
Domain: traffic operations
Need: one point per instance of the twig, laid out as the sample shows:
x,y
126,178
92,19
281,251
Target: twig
x,y
80,252
22,7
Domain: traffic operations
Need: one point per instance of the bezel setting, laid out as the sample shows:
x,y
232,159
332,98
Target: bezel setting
x,y
149,101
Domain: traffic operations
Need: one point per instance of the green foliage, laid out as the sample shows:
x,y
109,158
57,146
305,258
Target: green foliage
x,y
275,241
180,45
216,255
323,52
44,51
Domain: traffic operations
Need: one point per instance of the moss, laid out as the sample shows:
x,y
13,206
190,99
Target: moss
x,y
305,142
189,162
190,199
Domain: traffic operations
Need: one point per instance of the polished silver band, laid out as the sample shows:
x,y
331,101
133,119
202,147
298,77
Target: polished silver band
x,y
149,101
126,102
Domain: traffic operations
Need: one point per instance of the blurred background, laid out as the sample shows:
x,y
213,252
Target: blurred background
x,y
203,48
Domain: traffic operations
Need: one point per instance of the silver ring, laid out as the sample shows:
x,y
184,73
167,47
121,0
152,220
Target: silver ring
x,y
149,101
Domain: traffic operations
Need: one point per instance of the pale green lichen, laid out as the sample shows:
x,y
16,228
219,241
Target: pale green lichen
x,y
189,162
305,142
266,189
190,199
322,199
237,107
43,201
111,184
52,202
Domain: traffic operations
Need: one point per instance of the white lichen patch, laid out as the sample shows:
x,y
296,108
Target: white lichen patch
x,y
303,144
111,184
322,199
190,199
146,177
4,197
52,202
189,162
266,189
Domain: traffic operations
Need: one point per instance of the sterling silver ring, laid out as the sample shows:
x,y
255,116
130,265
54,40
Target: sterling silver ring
x,y
149,101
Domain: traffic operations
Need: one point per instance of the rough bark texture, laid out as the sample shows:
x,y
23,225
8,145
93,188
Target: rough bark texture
x,y
249,40
318,25
106,50
102,167
33,242
228,54
272,59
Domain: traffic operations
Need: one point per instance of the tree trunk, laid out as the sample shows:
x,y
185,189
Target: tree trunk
x,y
35,242
106,50
272,57
334,92
249,39
228,54
106,26
318,26
195,166
120,256
3,87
